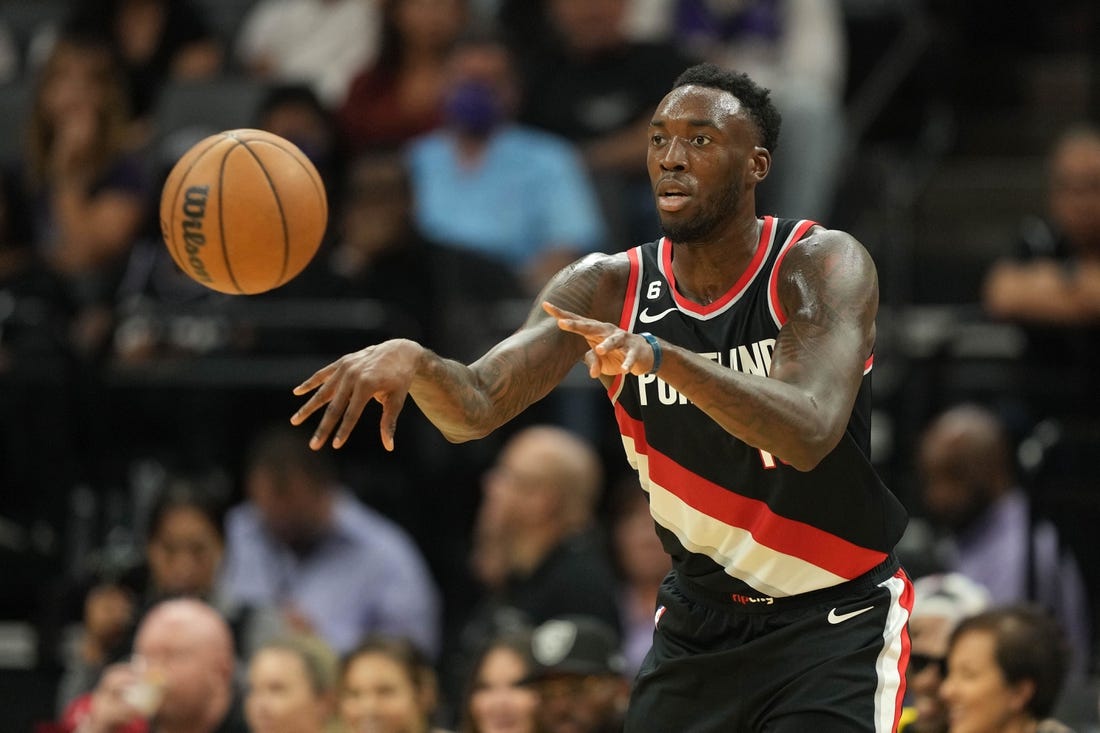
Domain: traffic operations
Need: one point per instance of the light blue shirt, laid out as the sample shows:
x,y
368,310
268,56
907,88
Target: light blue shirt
x,y
530,193
366,575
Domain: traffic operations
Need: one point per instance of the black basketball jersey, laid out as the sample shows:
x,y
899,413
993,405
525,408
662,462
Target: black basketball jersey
x,y
734,518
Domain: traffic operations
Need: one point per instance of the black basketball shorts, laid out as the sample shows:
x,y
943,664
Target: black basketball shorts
x,y
830,660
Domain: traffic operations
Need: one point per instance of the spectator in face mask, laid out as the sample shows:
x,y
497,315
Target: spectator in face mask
x,y
485,183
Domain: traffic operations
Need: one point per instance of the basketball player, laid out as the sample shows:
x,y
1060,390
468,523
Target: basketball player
x,y
736,351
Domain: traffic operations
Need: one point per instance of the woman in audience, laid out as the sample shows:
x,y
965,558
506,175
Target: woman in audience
x,y
87,188
291,686
496,702
401,94
387,685
183,554
1005,668
155,40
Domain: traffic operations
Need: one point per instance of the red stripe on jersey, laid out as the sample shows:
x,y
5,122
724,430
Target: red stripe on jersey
x,y
788,536
773,281
746,277
906,602
630,302
869,364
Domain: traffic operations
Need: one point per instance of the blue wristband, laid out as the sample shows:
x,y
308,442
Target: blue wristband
x,y
656,346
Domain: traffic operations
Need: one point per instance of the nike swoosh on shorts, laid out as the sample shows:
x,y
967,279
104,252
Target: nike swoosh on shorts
x,y
837,618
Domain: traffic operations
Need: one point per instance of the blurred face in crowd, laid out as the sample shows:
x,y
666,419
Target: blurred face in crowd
x,y
929,636
499,704
519,489
580,704
281,698
1075,191
77,81
589,25
185,553
188,647
958,466
978,698
429,24
293,508
377,210
378,696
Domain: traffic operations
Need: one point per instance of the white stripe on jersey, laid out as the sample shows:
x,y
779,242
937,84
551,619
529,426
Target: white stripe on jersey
x,y
770,572
889,676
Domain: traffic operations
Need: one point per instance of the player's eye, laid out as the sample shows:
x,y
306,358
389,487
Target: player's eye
x,y
700,140
657,139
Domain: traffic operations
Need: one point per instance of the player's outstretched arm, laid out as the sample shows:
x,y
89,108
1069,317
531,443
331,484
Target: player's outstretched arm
x,y
464,402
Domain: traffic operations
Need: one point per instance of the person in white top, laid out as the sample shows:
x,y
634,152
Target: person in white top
x,y
320,42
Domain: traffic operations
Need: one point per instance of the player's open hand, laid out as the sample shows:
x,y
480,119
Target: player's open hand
x,y
383,372
611,350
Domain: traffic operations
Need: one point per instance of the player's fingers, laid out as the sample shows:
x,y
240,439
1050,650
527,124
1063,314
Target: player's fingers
x,y
315,380
391,408
628,362
612,342
336,407
352,413
315,402
593,362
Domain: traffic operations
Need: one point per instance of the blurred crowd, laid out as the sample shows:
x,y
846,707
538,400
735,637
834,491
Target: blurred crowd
x,y
176,547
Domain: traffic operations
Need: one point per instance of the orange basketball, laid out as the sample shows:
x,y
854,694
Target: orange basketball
x,y
243,211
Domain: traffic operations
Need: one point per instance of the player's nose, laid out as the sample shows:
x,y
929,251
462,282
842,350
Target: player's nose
x,y
674,156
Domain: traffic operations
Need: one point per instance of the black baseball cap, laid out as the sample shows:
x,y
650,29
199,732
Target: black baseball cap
x,y
574,645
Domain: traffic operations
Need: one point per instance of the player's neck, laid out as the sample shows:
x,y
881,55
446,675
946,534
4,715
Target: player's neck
x,y
705,272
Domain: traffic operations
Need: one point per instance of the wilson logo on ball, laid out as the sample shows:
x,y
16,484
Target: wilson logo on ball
x,y
194,209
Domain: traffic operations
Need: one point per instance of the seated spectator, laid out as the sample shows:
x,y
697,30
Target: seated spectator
x,y
940,602
447,296
642,565
496,701
181,681
538,551
294,112
388,684
183,556
400,95
1005,669
1055,278
291,686
484,183
87,190
538,548
322,43
1050,286
989,531
304,548
579,676
597,88
798,50
156,40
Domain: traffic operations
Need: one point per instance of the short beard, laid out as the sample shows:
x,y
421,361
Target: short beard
x,y
702,228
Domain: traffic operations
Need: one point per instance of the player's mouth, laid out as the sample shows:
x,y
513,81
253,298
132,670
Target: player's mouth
x,y
672,196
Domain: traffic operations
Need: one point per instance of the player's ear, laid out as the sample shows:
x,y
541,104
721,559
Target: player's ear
x,y
759,163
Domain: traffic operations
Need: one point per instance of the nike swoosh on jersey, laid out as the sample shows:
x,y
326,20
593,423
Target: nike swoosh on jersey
x,y
836,618
644,316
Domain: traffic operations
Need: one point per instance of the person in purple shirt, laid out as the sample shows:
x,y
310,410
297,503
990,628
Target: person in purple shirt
x,y
989,530
308,554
